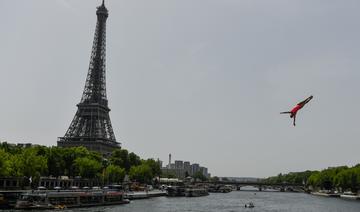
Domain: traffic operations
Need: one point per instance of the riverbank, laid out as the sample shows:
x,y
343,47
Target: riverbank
x,y
336,195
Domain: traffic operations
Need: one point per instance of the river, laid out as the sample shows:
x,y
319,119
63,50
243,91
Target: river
x,y
234,202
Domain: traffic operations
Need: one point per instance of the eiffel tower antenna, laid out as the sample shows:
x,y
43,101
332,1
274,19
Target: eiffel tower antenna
x,y
91,126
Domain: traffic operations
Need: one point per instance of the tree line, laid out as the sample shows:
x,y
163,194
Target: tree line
x,y
341,178
36,161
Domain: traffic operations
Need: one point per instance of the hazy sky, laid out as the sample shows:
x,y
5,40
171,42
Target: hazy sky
x,y
204,80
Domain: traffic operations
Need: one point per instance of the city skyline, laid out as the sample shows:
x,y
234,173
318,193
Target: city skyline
x,y
204,80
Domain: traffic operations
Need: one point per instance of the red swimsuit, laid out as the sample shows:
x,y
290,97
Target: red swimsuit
x,y
296,109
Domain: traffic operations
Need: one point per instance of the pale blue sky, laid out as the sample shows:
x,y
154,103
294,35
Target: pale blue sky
x,y
204,80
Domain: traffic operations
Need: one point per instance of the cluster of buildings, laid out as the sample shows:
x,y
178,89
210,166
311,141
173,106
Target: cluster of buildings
x,y
182,169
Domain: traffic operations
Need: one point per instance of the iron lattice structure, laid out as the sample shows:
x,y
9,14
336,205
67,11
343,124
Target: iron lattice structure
x,y
91,126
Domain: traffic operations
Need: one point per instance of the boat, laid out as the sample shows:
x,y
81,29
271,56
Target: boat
x,y
326,194
249,205
175,191
137,195
220,189
349,195
69,199
196,192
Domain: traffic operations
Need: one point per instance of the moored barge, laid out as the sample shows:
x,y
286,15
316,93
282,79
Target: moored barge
x,y
69,199
196,192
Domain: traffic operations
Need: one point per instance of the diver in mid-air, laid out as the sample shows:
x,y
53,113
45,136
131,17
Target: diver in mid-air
x,y
297,108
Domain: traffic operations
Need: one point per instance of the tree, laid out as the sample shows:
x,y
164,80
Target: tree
x,y
279,178
114,174
225,179
87,168
32,164
120,157
199,175
16,165
214,179
141,173
56,162
4,164
69,157
154,165
10,148
314,180
134,159
348,179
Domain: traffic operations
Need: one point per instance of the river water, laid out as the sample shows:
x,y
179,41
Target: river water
x,y
234,202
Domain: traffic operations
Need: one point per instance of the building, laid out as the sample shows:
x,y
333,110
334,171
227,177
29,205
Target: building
x,y
91,127
187,167
204,171
179,164
181,169
194,168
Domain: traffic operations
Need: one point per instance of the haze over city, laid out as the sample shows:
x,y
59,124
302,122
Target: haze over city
x,y
202,80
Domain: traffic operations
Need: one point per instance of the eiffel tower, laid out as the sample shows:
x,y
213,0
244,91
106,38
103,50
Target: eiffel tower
x,y
91,126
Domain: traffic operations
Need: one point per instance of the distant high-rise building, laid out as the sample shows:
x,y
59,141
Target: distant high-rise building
x,y
183,169
169,164
194,168
187,166
204,171
179,164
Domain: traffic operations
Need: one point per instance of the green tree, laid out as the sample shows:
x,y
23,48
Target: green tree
x,y
215,179
199,175
114,174
5,166
141,173
314,180
280,178
154,165
88,168
10,148
16,165
32,164
347,179
69,157
134,159
225,179
120,157
56,162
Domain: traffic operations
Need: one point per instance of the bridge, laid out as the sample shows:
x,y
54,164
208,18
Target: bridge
x,y
258,184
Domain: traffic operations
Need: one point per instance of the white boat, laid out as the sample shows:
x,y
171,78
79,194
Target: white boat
x,y
349,195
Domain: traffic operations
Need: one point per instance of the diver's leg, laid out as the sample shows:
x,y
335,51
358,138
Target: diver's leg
x,y
305,101
294,120
285,112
